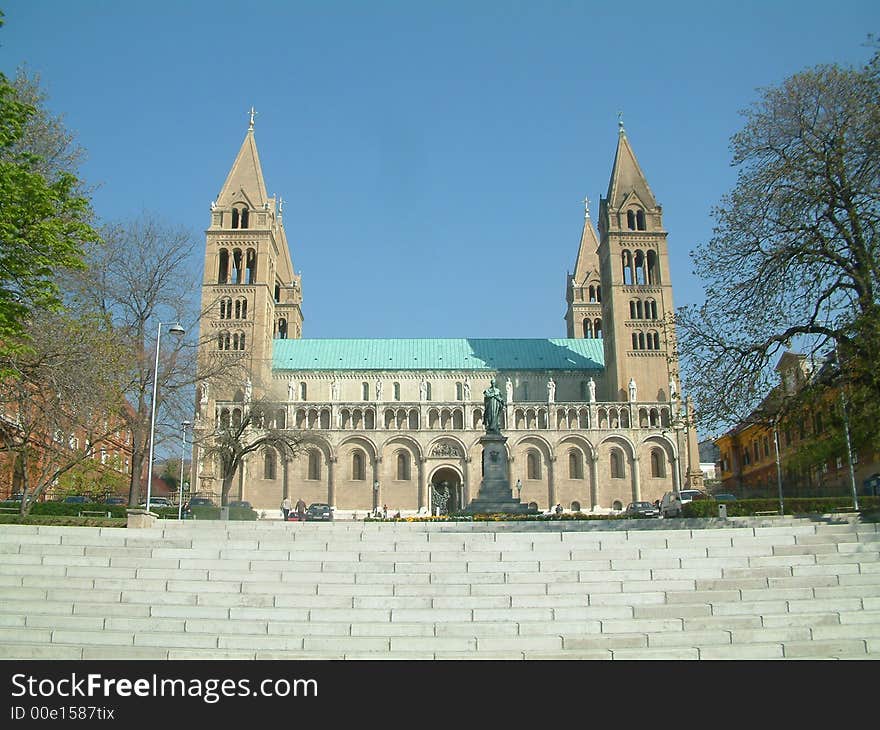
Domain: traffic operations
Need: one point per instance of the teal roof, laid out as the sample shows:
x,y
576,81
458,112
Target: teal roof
x,y
438,354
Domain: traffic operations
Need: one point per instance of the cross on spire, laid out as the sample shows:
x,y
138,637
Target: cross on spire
x,y
252,113
586,202
620,122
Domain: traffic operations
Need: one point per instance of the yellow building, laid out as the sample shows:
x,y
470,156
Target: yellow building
x,y
748,452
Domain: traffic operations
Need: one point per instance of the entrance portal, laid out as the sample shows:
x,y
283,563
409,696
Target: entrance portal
x,y
446,492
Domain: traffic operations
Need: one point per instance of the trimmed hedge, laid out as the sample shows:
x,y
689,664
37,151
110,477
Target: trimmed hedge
x,y
66,509
792,506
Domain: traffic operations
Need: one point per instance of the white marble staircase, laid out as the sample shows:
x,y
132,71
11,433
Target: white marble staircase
x,y
670,589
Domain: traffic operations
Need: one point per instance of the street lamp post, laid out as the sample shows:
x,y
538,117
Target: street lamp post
x,y
778,465
376,496
182,458
175,329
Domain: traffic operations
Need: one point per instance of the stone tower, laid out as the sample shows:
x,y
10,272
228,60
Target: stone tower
x,y
250,293
583,291
637,307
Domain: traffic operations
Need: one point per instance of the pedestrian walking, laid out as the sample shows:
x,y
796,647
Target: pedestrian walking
x,y
285,507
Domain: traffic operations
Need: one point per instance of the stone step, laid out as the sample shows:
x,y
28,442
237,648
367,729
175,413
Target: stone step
x,y
426,590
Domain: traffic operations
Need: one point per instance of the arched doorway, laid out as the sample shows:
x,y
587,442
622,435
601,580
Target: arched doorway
x,y
446,491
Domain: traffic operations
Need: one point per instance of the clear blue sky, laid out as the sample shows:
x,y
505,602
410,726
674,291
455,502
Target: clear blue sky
x,y
432,155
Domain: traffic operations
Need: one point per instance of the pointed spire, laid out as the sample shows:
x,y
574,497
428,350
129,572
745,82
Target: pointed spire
x,y
626,176
587,257
246,176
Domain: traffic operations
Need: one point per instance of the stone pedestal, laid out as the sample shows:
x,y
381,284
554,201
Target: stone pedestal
x,y
494,494
141,518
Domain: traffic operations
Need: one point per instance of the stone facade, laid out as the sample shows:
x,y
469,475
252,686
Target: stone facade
x,y
590,426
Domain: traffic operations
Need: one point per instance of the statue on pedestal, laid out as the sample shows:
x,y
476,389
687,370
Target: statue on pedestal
x,y
493,406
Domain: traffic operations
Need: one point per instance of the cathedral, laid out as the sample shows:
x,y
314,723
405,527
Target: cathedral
x,y
593,421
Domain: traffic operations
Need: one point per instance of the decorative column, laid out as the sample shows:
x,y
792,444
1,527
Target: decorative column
x,y
284,479
510,479
637,484
551,481
466,487
378,493
594,481
331,485
423,487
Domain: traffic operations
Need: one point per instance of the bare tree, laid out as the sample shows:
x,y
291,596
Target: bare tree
x,y
64,402
138,276
231,442
794,258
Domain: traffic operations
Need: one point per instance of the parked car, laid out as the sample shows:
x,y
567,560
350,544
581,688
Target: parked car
x,y
641,509
671,504
724,497
115,500
76,499
157,502
201,502
240,504
319,512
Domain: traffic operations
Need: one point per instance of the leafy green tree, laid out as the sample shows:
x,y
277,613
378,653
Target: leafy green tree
x,y
44,223
794,260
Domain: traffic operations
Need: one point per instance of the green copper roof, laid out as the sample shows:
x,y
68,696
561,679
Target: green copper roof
x,y
438,354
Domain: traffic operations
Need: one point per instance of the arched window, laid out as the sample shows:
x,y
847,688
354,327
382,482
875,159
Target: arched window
x,y
593,293
269,464
358,466
650,309
459,391
653,268
632,308
597,328
533,465
617,505
635,339
237,264
277,292
223,266
251,263
282,329
640,268
658,463
631,220
428,391
281,418
403,466
575,465
224,418
655,339
365,391
244,217
396,389
314,465
640,220
303,391
575,506
641,340
617,468
235,217
588,329
626,258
